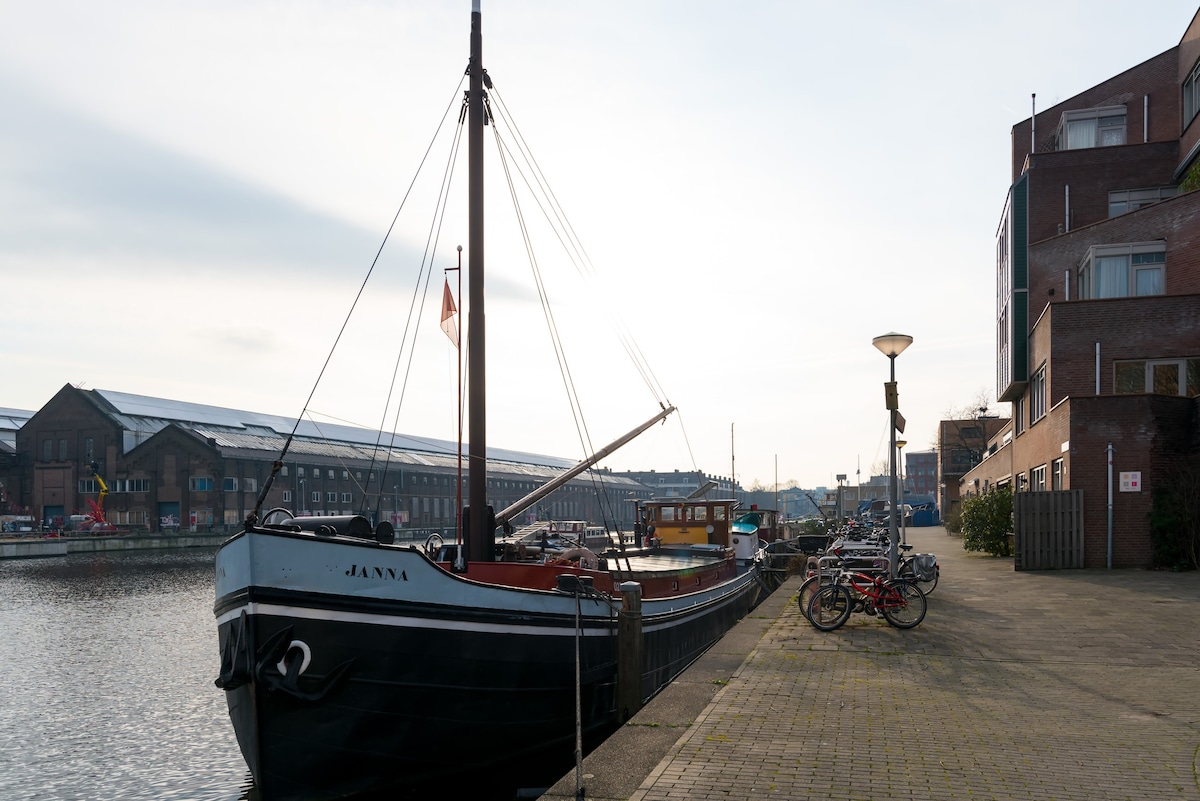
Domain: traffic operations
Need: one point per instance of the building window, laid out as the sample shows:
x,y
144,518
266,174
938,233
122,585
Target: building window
x,y
345,475
200,484
1037,479
1125,200
1037,395
1091,127
250,485
62,450
316,497
1191,95
47,450
1019,415
287,496
1022,483
283,471
1157,376
89,450
1121,271
299,472
1056,475
331,497
347,498
88,486
229,484
331,474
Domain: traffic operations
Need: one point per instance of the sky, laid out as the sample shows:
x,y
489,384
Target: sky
x,y
192,194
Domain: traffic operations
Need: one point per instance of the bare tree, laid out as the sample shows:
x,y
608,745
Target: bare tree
x,y
967,433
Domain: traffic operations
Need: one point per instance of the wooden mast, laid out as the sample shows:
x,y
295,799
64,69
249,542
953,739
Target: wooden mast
x,y
480,538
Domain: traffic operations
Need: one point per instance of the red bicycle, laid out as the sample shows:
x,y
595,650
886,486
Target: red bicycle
x,y
900,601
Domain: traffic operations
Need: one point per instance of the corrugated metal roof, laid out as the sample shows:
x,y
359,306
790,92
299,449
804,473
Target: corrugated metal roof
x,y
140,413
13,419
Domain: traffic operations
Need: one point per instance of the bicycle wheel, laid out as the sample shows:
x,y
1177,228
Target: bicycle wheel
x,y
809,588
906,608
830,607
908,572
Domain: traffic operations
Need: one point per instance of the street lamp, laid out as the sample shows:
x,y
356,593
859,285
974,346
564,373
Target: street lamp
x,y
900,443
892,345
841,499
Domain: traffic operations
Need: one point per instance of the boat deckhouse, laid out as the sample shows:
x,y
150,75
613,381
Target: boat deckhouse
x,y
171,465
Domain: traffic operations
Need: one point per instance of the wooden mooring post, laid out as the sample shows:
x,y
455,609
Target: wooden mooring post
x,y
629,651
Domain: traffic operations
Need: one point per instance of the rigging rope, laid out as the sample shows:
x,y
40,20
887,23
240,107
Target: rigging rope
x,y
278,463
517,161
552,211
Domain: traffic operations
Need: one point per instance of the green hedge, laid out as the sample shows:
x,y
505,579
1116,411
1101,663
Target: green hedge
x,y
987,520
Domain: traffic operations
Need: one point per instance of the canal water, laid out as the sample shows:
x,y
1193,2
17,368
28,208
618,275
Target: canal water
x,y
107,664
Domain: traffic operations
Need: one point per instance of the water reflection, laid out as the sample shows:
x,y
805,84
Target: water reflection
x,y
106,680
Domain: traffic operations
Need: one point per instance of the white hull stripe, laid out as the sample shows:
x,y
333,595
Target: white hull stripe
x,y
406,621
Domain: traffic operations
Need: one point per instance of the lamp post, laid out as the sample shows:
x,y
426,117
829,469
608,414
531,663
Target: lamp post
x,y
892,345
900,443
300,500
841,499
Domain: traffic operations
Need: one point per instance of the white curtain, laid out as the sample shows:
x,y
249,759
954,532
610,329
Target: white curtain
x,y
1081,133
1148,282
1112,276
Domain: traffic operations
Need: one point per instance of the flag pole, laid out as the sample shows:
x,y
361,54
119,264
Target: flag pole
x,y
458,500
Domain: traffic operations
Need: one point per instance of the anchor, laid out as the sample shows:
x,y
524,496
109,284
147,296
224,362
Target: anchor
x,y
274,653
235,671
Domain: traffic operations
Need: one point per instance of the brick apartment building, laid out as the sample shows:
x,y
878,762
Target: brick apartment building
x,y
1098,297
920,473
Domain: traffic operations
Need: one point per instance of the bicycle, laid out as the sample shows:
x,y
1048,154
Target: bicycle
x,y
901,602
923,571
827,568
863,553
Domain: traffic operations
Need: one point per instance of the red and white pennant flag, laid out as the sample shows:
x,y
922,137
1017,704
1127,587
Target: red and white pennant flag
x,y
449,314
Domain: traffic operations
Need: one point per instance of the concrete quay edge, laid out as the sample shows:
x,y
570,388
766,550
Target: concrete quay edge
x,y
616,768
62,546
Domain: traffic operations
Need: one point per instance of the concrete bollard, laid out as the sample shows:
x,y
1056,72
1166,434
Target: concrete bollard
x,y
629,651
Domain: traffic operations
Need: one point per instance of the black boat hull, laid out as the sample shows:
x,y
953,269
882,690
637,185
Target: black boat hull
x,y
334,695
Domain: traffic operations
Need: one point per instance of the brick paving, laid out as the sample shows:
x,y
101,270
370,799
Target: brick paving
x,y
1049,686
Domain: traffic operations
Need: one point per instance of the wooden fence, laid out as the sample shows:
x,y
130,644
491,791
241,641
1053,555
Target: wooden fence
x,y
1048,530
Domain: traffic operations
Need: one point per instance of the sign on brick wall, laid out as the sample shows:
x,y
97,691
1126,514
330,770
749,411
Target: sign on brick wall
x,y
1131,482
